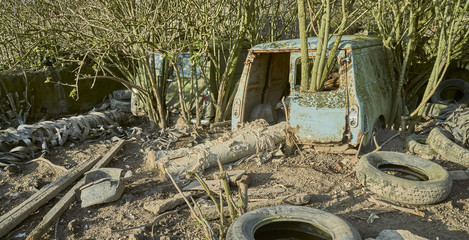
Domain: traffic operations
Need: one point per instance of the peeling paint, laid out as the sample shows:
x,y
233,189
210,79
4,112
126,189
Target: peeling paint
x,y
365,90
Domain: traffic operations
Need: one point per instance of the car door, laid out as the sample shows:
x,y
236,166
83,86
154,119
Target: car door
x,y
318,116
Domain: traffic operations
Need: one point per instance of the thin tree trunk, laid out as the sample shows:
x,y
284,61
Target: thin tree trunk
x,y
304,46
182,103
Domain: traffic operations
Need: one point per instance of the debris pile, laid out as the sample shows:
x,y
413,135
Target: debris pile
x,y
448,135
27,141
457,124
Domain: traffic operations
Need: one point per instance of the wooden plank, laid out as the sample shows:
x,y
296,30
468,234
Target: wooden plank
x,y
55,212
12,218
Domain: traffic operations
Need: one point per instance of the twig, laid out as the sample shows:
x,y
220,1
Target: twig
x,y
359,146
226,186
286,111
55,229
289,133
152,223
207,224
375,141
187,202
182,194
402,209
210,194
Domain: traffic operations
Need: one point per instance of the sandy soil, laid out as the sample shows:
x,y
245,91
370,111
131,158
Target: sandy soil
x,y
330,178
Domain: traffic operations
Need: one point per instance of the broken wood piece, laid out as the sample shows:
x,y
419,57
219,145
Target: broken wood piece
x,y
233,175
243,183
220,124
459,175
402,209
211,212
213,185
67,200
162,205
15,216
244,142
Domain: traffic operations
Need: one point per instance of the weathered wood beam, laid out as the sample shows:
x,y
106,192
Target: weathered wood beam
x,y
55,212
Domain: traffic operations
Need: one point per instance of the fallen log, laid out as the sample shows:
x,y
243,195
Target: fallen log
x,y
15,216
54,213
252,138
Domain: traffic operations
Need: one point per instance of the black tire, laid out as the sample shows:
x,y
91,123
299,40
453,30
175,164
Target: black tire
x,y
435,188
286,218
458,73
122,94
123,106
452,91
417,144
448,149
376,132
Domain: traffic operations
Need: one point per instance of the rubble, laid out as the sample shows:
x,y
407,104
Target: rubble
x,y
29,141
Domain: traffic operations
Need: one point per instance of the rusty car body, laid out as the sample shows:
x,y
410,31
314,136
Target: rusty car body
x,y
356,105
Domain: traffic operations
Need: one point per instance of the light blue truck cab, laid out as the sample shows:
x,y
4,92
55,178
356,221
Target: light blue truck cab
x,y
355,100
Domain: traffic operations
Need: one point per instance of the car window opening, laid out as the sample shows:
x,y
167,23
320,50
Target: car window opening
x,y
332,81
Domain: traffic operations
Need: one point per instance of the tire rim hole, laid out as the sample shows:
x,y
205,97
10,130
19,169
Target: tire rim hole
x,y
403,172
290,230
452,93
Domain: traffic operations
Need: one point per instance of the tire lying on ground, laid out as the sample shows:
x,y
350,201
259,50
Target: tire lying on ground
x,y
449,150
425,183
453,90
417,144
287,222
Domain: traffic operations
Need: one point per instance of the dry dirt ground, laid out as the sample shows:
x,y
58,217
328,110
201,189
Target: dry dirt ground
x,y
329,178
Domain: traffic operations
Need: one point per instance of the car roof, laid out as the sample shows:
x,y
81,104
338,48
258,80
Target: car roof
x,y
347,41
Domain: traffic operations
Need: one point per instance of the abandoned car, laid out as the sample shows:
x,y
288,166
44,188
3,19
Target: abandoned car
x,y
354,102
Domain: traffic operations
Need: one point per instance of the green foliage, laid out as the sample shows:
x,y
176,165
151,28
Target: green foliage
x,y
73,93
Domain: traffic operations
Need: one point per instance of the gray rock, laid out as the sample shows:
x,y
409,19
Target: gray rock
x,y
163,205
400,234
459,175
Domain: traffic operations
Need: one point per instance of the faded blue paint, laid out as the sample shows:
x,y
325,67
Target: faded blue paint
x,y
365,78
349,41
318,125
318,116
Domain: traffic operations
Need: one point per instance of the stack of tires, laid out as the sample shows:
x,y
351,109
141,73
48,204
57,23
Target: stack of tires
x,y
120,100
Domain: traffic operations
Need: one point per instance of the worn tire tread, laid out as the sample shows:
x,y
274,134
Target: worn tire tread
x,y
244,227
448,149
401,190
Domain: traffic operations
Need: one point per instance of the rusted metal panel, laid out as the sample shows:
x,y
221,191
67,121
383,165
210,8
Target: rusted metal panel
x,y
321,125
373,93
239,102
343,115
318,116
352,41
